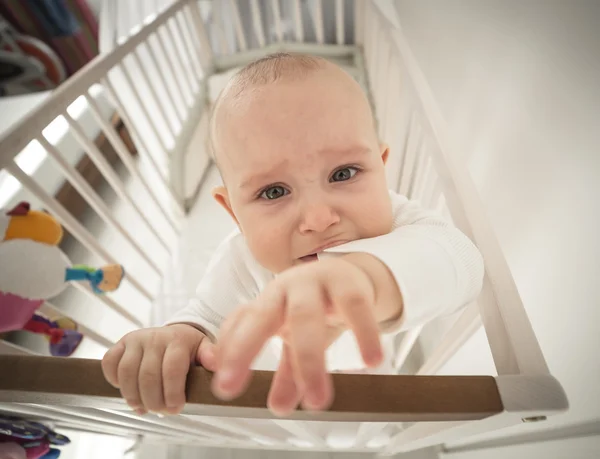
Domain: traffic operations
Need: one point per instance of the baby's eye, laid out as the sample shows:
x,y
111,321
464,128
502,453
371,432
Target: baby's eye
x,y
345,173
274,192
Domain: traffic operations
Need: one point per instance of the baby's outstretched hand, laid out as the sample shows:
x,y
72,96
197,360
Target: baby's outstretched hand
x,y
303,305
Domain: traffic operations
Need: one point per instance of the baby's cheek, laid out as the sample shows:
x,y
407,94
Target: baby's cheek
x,y
269,244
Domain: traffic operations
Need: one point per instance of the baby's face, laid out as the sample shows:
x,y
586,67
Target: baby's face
x,y
303,169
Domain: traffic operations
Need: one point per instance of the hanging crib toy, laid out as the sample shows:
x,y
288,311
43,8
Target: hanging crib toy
x,y
34,269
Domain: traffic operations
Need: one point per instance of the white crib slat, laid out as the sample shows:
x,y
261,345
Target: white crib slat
x,y
179,57
339,21
185,54
70,223
181,425
258,24
418,169
166,121
299,23
95,202
406,345
467,323
130,164
408,155
239,428
239,29
359,22
109,302
366,431
108,172
170,89
302,431
151,119
318,22
7,348
277,20
188,40
52,312
218,24
204,49
186,96
144,151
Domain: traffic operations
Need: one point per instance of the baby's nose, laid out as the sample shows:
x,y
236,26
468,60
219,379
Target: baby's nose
x,y
318,218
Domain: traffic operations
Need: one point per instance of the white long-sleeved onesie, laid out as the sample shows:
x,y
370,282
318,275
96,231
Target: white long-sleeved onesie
x,y
437,268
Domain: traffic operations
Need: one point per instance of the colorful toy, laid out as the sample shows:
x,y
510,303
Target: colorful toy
x,y
28,440
33,269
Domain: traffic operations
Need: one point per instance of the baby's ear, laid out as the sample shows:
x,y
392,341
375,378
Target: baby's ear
x,y
222,197
385,152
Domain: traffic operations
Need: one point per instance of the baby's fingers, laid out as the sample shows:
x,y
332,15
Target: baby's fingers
x,y
127,375
110,363
206,355
175,367
355,301
285,392
236,351
307,331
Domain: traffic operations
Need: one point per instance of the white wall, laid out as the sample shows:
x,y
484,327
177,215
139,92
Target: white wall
x,y
519,85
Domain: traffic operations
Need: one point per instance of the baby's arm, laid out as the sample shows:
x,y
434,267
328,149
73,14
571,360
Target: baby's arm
x,y
435,267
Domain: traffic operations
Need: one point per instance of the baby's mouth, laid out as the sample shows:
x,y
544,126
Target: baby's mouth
x,y
309,258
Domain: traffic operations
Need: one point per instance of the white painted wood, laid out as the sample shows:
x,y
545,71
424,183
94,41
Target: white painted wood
x,y
92,198
142,77
406,345
239,29
339,22
7,348
74,227
299,24
133,168
18,137
203,46
109,174
170,88
257,23
218,25
179,57
187,37
140,141
318,21
514,346
186,94
277,20
303,431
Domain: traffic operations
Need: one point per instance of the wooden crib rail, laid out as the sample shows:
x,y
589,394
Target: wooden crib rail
x,y
373,398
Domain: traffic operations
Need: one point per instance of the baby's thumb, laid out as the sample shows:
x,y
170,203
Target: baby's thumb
x,y
206,355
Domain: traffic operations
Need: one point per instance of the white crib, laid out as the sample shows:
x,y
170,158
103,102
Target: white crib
x,y
160,81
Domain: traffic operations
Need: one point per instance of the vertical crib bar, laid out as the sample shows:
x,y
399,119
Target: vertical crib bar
x,y
257,23
419,165
109,302
172,130
176,65
359,22
299,23
185,52
188,39
186,96
52,312
408,165
218,23
72,226
426,178
204,47
277,20
406,345
180,58
318,22
339,21
138,98
108,172
239,29
130,164
301,431
366,431
169,88
92,198
140,140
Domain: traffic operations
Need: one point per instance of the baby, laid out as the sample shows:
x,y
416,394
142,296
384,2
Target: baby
x,y
324,251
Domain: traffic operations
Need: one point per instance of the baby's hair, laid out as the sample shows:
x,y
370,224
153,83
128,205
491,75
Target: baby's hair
x,y
267,70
